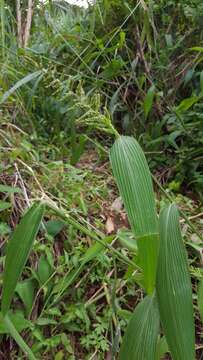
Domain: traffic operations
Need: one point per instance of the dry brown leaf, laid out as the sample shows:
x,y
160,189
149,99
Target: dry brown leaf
x,y
117,204
110,226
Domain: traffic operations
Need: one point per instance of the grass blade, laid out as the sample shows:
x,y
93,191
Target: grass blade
x,y
4,205
19,83
134,181
9,189
17,337
148,101
18,251
174,288
200,299
141,336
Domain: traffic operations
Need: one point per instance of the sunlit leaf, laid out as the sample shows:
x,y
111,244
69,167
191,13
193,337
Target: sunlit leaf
x,y
187,103
197,48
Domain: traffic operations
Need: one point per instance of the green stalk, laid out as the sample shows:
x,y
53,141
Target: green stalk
x,y
2,28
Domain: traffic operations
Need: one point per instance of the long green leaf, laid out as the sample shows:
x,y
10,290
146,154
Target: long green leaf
x,y
9,189
4,205
18,251
148,101
187,103
135,185
17,337
20,83
174,288
200,299
141,336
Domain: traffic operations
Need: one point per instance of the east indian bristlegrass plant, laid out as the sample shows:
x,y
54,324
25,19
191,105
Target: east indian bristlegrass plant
x,y
167,307
162,258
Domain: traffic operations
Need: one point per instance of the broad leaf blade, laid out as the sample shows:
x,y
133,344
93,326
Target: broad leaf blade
x,y
18,251
26,292
134,181
140,340
174,290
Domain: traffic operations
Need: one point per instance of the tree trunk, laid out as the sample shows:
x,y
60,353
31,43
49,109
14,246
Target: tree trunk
x,y
24,27
26,34
19,23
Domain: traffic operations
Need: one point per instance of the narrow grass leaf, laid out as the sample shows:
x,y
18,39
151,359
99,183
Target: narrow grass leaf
x,y
18,251
201,81
9,189
17,337
148,101
19,84
197,48
200,299
4,205
187,103
141,336
174,290
134,181
96,249
18,319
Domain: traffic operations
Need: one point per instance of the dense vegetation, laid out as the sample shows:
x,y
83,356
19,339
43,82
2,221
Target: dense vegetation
x,y
69,85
